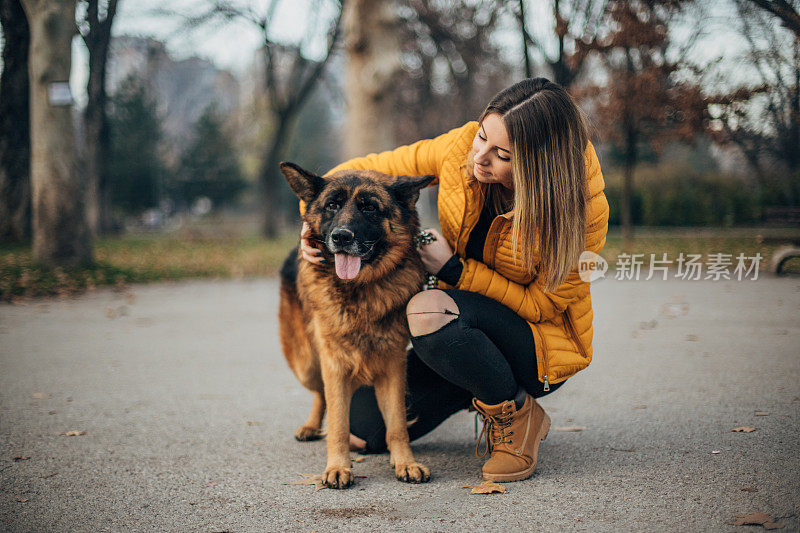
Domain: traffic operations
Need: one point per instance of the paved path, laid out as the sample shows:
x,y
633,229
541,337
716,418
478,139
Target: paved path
x,y
189,409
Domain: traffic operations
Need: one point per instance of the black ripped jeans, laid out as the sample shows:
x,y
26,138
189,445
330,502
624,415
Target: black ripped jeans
x,y
487,352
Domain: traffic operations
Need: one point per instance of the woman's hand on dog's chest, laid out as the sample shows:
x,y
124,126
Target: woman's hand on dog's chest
x,y
435,254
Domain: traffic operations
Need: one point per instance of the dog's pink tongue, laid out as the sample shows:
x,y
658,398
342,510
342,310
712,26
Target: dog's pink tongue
x,y
347,266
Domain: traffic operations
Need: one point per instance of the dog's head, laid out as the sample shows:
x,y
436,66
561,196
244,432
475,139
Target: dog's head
x,y
363,221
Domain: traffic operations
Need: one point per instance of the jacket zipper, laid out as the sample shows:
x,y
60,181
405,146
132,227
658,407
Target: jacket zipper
x,y
573,333
545,360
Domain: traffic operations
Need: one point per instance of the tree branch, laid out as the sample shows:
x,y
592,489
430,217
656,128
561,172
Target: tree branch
x,y
785,12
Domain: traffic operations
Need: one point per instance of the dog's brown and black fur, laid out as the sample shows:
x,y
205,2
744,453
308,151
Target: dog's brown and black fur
x,y
338,334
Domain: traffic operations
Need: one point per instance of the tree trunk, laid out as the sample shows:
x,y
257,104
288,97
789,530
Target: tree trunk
x,y
15,150
373,52
96,148
272,181
793,148
631,156
95,119
525,54
60,233
627,185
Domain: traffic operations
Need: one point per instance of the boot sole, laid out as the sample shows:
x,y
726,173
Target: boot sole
x,y
528,472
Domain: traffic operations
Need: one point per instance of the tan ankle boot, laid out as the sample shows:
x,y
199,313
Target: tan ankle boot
x,y
512,437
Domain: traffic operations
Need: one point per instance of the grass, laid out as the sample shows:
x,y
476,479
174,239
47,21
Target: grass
x,y
141,259
703,241
207,252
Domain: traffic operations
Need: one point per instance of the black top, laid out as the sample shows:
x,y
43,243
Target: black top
x,y
451,271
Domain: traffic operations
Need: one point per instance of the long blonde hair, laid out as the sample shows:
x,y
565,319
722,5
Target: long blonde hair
x,y
549,136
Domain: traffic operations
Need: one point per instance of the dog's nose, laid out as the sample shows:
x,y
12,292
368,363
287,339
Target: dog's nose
x,y
342,237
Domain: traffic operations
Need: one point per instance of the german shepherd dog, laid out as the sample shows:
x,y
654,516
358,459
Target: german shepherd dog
x,y
342,323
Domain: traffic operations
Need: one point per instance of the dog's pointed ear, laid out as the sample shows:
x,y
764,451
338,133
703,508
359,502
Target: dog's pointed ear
x,y
406,188
306,185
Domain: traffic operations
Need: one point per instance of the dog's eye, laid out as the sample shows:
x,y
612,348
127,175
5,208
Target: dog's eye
x,y
332,206
369,208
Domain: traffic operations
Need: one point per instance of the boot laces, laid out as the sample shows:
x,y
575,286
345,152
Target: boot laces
x,y
494,429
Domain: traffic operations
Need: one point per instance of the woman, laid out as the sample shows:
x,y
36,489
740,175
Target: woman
x,y
520,198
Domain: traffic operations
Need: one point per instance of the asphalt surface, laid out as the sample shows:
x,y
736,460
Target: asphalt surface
x,y
189,411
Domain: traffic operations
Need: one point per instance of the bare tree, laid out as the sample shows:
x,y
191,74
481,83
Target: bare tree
x,y
576,23
372,41
787,13
95,28
289,79
762,116
452,65
15,151
641,104
60,233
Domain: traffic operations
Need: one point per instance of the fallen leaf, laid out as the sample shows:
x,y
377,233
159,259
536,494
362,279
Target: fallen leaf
x,y
749,489
648,325
359,459
756,519
251,423
762,413
74,433
21,458
752,519
40,395
569,428
640,406
691,337
22,500
744,429
714,451
487,487
310,479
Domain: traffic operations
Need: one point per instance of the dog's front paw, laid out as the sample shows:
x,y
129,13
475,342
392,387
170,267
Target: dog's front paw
x,y
306,433
338,477
412,473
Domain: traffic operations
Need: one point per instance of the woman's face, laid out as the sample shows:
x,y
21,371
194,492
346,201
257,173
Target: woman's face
x,y
491,152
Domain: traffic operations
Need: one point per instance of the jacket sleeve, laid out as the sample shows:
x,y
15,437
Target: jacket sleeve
x,y
419,159
531,301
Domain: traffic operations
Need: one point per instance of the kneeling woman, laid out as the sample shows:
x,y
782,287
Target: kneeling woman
x,y
520,198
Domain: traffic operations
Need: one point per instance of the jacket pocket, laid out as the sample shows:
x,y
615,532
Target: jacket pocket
x,y
573,333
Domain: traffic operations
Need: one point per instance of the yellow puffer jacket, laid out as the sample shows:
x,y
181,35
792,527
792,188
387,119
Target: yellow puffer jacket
x,y
562,320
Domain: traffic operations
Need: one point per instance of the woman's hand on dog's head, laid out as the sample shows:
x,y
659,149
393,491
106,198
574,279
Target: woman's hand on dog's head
x,y
310,253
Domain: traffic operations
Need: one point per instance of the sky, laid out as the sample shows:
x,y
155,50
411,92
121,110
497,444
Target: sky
x,y
229,45
232,45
